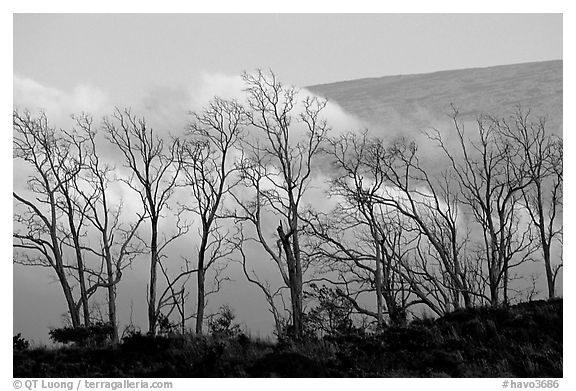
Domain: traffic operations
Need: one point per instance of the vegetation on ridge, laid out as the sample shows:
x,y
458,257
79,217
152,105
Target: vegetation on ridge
x,y
524,340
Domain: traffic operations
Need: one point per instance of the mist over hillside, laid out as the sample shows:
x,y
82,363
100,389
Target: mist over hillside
x,y
410,103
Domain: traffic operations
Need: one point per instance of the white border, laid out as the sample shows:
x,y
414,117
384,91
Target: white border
x,y
294,6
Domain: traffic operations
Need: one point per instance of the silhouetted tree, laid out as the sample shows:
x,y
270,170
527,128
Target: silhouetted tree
x,y
154,168
206,159
429,206
37,216
278,169
118,245
541,155
492,174
394,231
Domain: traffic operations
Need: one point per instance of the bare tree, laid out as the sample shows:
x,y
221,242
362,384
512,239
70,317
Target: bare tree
x,y
361,267
404,237
279,170
75,209
359,216
430,203
207,165
117,242
154,169
492,175
541,155
37,226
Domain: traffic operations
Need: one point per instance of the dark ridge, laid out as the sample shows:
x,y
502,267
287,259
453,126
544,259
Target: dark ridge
x,y
524,340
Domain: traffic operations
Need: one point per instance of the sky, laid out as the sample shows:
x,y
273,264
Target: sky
x,y
167,64
124,55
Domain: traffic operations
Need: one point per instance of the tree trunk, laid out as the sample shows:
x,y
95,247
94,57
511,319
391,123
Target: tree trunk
x,y
296,298
493,280
295,279
545,241
183,313
549,272
111,291
201,281
112,312
505,285
72,309
378,283
152,315
61,273
297,288
200,301
79,260
465,293
82,282
494,299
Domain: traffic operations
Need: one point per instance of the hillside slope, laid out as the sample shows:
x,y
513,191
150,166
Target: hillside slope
x,y
408,103
525,340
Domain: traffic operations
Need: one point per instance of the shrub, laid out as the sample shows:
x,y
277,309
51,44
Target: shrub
x,y
524,340
165,326
20,343
221,323
332,316
94,335
135,341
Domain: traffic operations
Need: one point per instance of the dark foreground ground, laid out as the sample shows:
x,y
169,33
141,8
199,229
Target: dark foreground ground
x,y
522,341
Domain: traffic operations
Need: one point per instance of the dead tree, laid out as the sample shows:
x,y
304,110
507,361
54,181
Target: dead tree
x,y
154,168
541,155
355,185
403,237
118,245
348,256
278,169
492,175
430,203
37,225
75,209
206,159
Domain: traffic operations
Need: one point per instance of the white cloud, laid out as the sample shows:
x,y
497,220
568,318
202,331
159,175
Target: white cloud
x,y
56,103
215,84
165,109
224,86
338,119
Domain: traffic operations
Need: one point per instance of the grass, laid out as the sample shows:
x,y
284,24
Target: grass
x,y
522,341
